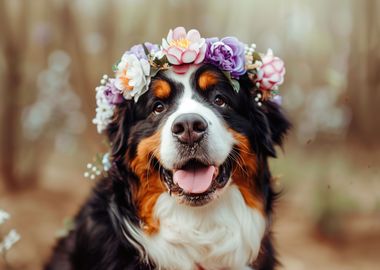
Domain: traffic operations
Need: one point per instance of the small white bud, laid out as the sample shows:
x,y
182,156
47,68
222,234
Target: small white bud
x,y
92,177
86,174
89,165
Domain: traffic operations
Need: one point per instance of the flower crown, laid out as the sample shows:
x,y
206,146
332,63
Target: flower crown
x,y
178,51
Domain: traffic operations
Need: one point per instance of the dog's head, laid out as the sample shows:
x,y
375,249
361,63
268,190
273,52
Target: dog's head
x,y
192,135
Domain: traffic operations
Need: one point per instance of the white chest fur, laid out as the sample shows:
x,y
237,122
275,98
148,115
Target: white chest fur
x,y
225,234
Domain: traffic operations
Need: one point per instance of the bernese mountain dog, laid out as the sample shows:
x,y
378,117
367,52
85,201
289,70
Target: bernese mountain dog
x,y
190,185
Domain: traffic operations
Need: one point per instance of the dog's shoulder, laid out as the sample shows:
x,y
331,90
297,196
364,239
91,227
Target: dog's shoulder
x,y
95,242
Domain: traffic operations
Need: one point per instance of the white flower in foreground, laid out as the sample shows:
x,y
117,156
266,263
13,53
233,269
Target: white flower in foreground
x,y
104,110
9,240
132,76
3,216
106,162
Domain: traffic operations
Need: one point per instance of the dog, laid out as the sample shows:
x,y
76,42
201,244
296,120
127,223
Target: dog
x,y
190,185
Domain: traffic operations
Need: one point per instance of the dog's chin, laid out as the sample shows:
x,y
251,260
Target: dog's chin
x,y
220,177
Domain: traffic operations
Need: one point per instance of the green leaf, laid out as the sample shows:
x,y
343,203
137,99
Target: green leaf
x,y
228,75
147,52
99,159
114,67
275,92
235,85
161,62
256,57
153,71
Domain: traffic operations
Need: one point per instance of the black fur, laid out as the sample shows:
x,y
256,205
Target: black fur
x,y
99,240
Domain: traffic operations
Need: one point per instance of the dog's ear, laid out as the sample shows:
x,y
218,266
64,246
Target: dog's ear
x,y
269,120
118,130
279,124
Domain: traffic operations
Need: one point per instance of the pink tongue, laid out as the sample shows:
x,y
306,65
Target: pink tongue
x,y
194,181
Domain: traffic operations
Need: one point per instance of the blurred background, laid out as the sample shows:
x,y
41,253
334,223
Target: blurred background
x,y
54,52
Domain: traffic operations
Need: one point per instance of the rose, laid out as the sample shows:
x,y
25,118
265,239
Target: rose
x,y
271,73
184,48
227,54
132,76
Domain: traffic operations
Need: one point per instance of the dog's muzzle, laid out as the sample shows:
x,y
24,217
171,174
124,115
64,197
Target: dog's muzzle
x,y
189,128
194,178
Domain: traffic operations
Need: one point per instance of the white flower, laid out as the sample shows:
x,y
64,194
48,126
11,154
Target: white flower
x,y
3,216
104,110
132,76
106,162
9,240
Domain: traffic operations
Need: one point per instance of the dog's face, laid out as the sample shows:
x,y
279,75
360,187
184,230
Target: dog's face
x,y
192,135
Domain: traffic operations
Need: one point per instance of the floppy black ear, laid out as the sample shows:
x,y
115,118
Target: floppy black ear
x,y
279,125
118,130
269,120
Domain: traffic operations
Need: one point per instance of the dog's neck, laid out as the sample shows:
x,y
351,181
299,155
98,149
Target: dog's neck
x,y
225,234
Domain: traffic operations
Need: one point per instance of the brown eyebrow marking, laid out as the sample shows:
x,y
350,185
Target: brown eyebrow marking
x,y
207,79
161,88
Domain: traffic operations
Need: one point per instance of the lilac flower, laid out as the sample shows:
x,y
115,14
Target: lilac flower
x,y
277,99
139,51
227,54
112,94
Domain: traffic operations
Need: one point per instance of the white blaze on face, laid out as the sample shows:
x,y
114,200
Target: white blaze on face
x,y
219,140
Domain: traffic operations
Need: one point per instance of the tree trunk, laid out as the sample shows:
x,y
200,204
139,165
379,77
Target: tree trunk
x,y
14,46
363,75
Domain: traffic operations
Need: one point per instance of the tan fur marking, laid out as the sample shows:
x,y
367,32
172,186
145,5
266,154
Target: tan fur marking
x,y
161,89
207,79
151,186
246,170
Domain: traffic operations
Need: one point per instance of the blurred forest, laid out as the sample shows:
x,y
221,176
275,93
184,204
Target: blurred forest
x,y
52,56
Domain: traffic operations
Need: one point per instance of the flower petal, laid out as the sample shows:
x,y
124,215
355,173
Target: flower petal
x,y
145,66
193,35
201,54
169,37
178,33
268,70
172,59
278,64
165,44
188,56
181,69
175,52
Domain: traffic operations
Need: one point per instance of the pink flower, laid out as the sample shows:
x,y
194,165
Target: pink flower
x,y
184,48
271,73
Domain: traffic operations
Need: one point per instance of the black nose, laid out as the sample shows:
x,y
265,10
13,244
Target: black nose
x,y
189,128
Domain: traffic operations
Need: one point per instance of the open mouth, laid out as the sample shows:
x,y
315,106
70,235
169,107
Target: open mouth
x,y
196,181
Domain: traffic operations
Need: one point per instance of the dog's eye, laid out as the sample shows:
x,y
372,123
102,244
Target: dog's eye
x,y
219,101
158,108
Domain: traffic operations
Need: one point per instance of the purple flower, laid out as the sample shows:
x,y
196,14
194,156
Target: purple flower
x,y
139,51
227,54
112,94
277,99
